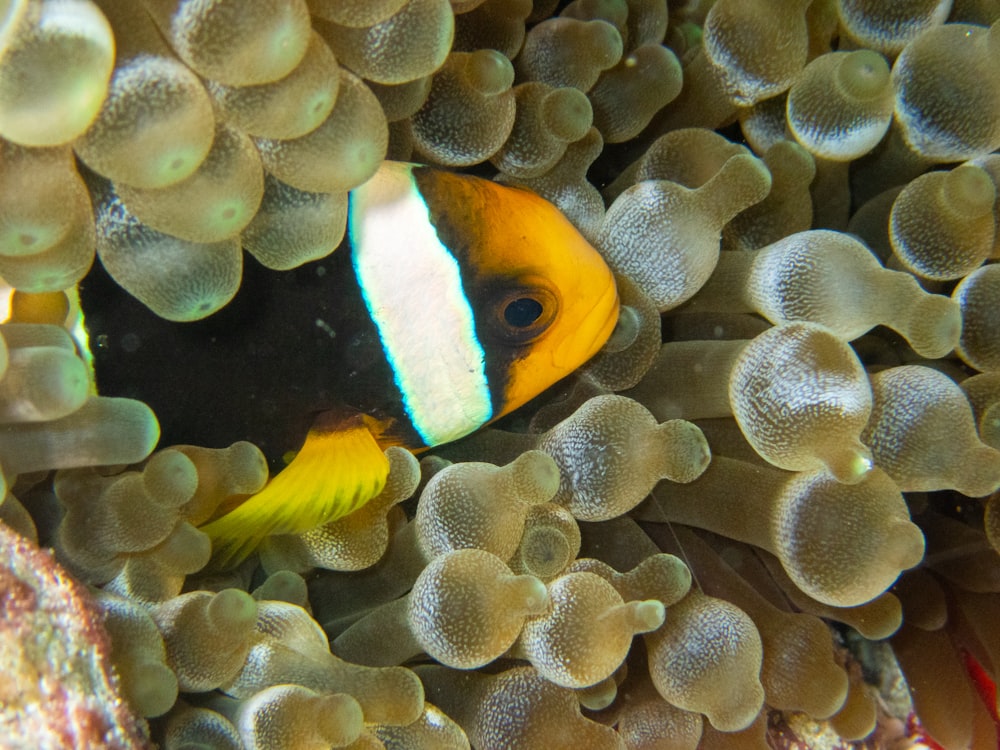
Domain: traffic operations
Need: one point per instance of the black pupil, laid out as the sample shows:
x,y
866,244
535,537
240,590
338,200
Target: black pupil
x,y
522,312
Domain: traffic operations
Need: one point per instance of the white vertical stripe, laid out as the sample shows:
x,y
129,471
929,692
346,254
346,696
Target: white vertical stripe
x,y
413,288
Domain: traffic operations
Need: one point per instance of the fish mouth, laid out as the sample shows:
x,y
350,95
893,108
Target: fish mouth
x,y
588,323
593,331
607,308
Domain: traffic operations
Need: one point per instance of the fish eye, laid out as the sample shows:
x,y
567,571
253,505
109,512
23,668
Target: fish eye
x,y
522,312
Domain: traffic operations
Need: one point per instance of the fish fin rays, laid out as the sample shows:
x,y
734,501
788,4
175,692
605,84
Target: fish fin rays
x,y
334,473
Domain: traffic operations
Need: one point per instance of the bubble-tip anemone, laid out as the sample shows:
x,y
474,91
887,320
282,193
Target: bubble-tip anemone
x,y
171,147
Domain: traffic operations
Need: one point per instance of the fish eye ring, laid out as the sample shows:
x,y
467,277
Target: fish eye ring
x,y
524,313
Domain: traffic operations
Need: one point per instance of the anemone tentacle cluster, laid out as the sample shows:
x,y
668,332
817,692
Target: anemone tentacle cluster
x,y
785,460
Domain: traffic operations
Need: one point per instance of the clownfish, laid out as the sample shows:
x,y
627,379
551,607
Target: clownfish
x,y
452,301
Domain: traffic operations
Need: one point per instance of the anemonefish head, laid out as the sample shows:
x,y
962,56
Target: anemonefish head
x,y
484,295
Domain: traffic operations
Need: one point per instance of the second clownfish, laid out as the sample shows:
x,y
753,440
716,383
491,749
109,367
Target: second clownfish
x,y
453,301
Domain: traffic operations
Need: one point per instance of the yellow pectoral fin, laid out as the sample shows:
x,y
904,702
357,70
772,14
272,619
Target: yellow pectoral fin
x,y
335,472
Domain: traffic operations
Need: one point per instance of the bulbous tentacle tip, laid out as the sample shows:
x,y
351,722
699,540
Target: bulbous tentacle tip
x,y
489,72
232,610
626,330
529,594
935,326
742,181
686,452
536,477
864,74
905,545
645,616
849,464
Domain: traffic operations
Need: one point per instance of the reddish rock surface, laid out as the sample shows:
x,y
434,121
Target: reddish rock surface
x,y
57,690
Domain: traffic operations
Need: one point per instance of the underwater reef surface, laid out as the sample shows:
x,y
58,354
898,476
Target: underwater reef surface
x,y
765,515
